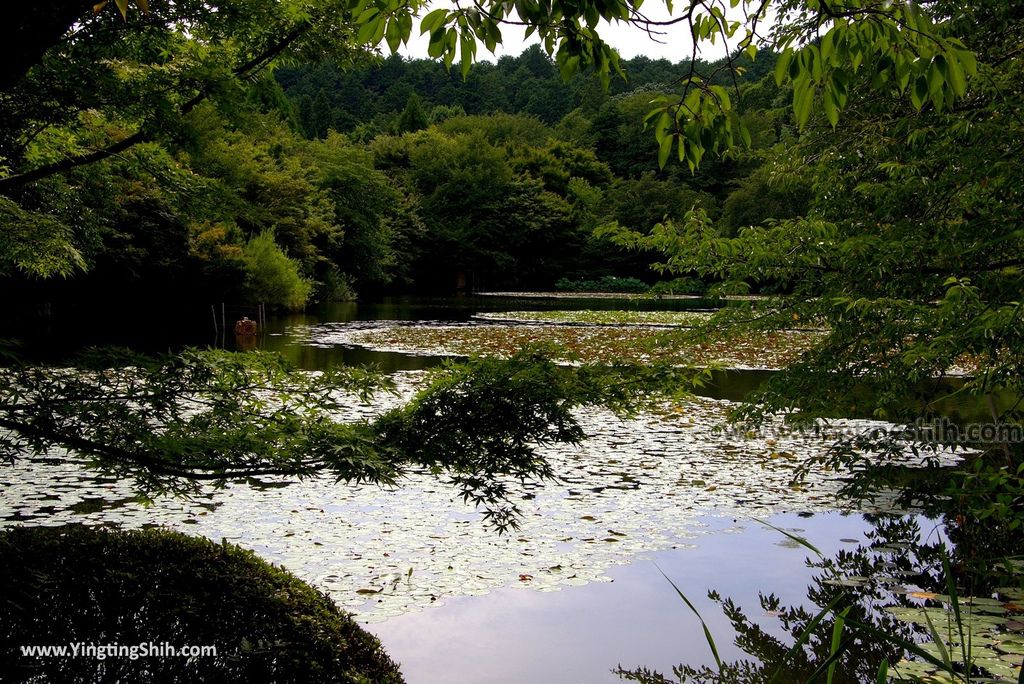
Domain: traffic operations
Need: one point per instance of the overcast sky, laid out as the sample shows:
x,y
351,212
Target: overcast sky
x,y
627,39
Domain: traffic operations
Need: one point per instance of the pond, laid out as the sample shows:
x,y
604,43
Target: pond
x,y
576,591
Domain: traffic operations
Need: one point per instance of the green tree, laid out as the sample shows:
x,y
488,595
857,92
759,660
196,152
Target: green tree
x,y
908,255
413,118
377,220
271,276
764,196
321,119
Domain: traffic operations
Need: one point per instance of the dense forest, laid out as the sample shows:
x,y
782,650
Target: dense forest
x,y
321,182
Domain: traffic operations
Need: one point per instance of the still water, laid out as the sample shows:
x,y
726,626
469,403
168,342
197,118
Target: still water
x,y
575,592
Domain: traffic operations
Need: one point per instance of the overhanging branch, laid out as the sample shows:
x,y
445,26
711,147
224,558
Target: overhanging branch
x,y
247,69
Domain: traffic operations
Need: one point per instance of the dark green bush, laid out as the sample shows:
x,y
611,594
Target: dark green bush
x,y
78,584
602,284
680,286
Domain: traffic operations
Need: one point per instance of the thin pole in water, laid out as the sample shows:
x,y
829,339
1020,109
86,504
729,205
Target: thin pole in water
x,y
223,320
213,312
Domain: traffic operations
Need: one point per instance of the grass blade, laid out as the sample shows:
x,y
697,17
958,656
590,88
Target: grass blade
x,y
883,672
908,646
707,632
837,636
830,662
955,601
939,643
806,634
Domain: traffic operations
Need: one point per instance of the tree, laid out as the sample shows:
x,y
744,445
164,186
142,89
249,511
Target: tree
x,y
413,118
320,116
271,276
763,197
88,62
377,223
907,256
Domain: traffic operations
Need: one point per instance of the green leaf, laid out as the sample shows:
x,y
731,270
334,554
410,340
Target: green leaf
x,y
433,20
664,149
968,61
366,15
803,101
707,632
782,66
936,79
405,27
662,125
468,52
393,35
955,77
367,31
903,73
827,47
567,66
722,96
837,635
437,43
745,135
829,104
919,93
451,42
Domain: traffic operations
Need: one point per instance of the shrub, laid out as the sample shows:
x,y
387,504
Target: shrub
x,y
76,584
335,286
680,286
602,284
271,276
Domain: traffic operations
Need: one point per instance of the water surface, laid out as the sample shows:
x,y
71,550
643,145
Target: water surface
x,y
574,592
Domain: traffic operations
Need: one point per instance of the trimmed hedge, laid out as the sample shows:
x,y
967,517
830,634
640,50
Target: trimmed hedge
x,y
76,584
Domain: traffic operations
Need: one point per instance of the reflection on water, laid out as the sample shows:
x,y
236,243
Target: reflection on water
x,y
515,636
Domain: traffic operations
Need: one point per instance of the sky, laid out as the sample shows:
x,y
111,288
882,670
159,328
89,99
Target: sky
x,y
629,40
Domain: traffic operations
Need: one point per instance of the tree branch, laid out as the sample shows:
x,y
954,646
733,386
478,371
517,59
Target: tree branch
x,y
151,463
253,65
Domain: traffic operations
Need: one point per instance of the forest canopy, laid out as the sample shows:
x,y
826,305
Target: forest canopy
x,y
205,119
